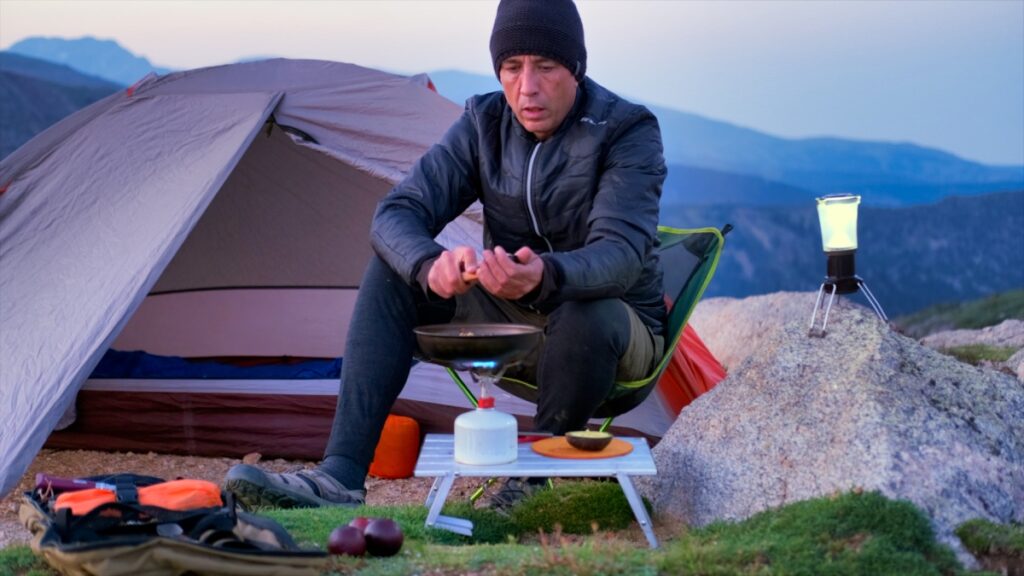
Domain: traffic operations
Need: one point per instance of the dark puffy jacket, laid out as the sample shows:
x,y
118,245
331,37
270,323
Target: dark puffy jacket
x,y
586,199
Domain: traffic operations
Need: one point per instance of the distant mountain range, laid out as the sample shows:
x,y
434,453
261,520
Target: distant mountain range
x,y
954,239
14,63
34,94
104,59
704,186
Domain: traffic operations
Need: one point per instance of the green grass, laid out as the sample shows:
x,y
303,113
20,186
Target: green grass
x,y
20,560
576,507
848,534
999,547
983,537
975,353
853,533
311,526
974,314
593,557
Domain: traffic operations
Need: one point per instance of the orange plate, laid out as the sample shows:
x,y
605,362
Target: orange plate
x,y
558,447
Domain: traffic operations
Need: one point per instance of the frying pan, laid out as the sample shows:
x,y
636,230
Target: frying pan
x,y
466,346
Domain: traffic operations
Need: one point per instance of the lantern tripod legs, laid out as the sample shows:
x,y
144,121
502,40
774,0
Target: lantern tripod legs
x,y
817,304
875,305
861,284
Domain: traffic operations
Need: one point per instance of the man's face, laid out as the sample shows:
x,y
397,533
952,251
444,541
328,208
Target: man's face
x,y
540,91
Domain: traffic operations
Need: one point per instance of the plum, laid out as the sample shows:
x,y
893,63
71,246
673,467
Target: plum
x,y
360,522
346,541
383,537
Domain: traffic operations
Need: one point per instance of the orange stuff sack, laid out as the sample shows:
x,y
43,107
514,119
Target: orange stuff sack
x,y
398,448
173,495
82,502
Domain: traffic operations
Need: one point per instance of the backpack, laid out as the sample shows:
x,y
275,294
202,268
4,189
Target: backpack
x,y
123,536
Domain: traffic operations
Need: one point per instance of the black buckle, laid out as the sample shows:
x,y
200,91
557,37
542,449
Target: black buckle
x,y
126,491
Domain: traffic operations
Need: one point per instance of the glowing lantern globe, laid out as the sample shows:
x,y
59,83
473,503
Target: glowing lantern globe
x,y
838,218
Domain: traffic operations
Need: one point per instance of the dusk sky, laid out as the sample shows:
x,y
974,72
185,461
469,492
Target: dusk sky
x,y
946,74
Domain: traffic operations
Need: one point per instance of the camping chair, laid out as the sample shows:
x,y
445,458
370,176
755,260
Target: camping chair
x,y
689,258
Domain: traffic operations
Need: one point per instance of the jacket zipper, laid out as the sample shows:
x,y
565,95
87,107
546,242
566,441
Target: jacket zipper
x,y
529,197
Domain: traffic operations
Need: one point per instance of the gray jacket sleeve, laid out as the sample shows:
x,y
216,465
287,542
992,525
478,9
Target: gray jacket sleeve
x,y
442,184
623,222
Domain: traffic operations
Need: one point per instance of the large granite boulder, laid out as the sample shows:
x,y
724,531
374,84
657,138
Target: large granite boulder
x,y
862,408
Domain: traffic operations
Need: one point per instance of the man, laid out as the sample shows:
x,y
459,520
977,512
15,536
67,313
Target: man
x,y
570,177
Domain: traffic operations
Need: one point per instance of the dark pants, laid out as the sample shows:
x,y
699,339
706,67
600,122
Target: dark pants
x,y
576,366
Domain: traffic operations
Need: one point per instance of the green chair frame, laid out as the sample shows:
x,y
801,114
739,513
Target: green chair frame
x,y
705,244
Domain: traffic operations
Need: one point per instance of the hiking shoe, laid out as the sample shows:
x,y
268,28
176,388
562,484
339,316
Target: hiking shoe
x,y
514,491
304,489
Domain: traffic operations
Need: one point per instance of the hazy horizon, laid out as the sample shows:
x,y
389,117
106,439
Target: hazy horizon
x,y
945,74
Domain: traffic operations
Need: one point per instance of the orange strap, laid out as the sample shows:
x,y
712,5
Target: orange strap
x,y
173,495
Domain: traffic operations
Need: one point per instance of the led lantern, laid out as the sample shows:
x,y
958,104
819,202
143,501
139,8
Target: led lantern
x,y
837,215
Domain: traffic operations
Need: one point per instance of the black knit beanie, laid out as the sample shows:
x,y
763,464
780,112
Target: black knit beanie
x,y
548,28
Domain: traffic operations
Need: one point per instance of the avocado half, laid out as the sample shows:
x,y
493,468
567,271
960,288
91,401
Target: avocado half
x,y
588,439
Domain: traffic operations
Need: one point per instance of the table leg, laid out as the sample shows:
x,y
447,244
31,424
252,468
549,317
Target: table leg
x,y
434,517
439,497
637,504
433,491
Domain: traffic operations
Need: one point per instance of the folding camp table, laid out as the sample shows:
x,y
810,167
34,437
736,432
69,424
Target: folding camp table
x,y
437,459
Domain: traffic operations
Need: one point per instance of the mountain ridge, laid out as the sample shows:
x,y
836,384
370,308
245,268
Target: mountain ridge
x,y
35,94
63,74
102,58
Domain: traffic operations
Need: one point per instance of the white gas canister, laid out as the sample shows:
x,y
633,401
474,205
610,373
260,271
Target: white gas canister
x,y
486,436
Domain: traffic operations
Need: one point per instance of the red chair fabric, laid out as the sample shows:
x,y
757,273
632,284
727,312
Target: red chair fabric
x,y
692,371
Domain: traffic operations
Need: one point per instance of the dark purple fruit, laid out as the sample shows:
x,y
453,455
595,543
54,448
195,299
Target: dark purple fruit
x,y
383,537
361,522
347,541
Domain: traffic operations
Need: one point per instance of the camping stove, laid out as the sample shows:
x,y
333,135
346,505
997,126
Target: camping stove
x,y
483,436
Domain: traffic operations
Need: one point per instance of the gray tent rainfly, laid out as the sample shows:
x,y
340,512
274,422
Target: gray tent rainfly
x,y
214,212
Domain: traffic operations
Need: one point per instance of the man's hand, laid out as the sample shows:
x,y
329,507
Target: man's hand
x,y
454,272
510,278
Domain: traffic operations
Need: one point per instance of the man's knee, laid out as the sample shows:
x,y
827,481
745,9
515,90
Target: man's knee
x,y
379,275
592,322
